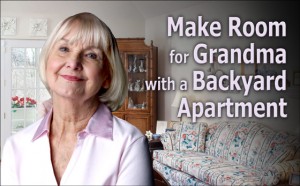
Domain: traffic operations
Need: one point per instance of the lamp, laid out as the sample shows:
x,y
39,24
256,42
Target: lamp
x,y
180,94
177,99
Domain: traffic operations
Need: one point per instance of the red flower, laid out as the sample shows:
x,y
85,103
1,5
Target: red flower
x,y
20,102
32,101
15,98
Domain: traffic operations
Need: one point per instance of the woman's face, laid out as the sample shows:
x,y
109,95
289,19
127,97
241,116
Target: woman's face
x,y
75,70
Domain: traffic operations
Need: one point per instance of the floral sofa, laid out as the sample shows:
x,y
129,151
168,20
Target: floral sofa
x,y
226,153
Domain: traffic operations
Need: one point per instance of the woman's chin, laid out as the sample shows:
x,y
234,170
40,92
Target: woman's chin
x,y
69,95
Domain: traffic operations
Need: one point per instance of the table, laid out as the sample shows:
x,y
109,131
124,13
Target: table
x,y
155,144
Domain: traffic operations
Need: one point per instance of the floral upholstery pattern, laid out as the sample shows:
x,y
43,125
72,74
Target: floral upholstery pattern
x,y
174,158
235,153
284,169
189,136
168,139
211,170
250,144
175,177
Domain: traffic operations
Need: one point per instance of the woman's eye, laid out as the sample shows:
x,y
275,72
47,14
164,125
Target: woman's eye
x,y
91,55
63,49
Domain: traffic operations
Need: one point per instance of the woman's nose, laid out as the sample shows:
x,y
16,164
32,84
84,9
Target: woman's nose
x,y
74,62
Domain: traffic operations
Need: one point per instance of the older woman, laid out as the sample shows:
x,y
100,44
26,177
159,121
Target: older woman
x,y
79,141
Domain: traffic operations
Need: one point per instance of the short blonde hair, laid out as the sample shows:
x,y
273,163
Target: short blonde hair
x,y
92,31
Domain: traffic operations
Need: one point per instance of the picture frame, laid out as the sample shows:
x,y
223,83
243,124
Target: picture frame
x,y
8,26
38,27
161,127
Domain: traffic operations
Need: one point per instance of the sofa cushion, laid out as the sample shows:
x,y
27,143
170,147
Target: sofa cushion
x,y
190,136
212,170
248,143
173,158
223,173
175,177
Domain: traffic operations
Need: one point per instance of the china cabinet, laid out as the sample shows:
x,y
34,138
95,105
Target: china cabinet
x,y
140,62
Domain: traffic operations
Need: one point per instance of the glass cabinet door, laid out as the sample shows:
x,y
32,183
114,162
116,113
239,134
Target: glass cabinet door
x,y
137,65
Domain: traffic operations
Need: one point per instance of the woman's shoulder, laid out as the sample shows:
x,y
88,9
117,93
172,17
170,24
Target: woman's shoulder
x,y
25,134
125,129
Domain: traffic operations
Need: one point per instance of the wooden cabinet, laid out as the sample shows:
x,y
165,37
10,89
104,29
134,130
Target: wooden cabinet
x,y
141,121
140,62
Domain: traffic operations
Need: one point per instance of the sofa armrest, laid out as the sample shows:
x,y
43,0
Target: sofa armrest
x,y
281,171
168,140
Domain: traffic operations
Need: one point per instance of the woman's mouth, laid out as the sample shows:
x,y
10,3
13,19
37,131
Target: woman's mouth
x,y
71,78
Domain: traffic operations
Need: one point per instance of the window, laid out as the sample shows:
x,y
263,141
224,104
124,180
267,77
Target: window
x,y
22,91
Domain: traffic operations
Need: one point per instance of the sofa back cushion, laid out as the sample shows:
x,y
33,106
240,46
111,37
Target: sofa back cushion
x,y
248,143
190,136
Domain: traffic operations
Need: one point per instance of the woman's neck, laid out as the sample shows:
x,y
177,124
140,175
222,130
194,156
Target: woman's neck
x,y
70,117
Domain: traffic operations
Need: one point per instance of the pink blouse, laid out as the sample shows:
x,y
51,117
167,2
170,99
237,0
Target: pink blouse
x,y
109,151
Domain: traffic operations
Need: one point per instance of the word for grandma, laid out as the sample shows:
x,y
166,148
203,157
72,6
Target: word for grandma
x,y
250,55
232,109
235,28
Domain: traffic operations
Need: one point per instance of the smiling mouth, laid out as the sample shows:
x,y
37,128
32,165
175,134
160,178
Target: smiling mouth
x,y
71,78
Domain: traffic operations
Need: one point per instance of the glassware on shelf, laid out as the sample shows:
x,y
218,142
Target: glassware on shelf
x,y
144,105
134,68
142,88
129,67
130,85
130,103
137,85
142,66
136,81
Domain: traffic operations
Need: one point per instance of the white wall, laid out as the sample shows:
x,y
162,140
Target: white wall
x,y
121,16
156,30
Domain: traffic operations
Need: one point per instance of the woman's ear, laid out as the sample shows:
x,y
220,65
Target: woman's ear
x,y
106,83
105,86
